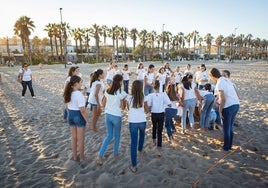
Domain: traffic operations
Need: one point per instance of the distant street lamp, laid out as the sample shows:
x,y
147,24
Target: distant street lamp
x,y
163,43
63,41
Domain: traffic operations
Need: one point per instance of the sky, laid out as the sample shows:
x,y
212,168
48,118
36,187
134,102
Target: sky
x,y
217,17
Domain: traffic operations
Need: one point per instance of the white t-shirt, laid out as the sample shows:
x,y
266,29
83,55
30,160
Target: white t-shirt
x,y
77,101
174,105
113,102
203,76
225,85
150,77
110,74
125,74
204,92
189,94
91,98
140,73
68,79
158,102
87,87
26,74
178,77
135,115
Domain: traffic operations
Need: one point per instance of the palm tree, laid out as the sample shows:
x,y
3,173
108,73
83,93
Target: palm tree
x,y
133,35
96,31
143,39
194,36
49,29
78,35
22,28
188,40
116,31
181,39
123,36
248,43
219,41
208,39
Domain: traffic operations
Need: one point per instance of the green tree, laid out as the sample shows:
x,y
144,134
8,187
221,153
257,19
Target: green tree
x,y
22,28
208,39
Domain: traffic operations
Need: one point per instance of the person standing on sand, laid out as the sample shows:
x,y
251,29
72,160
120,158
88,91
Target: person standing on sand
x,y
229,105
25,75
72,71
157,101
96,93
148,80
77,118
189,94
114,101
140,72
137,107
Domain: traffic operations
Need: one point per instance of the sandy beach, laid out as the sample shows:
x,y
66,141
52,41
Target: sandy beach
x,y
35,148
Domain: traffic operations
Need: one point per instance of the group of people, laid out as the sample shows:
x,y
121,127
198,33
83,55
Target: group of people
x,y
159,93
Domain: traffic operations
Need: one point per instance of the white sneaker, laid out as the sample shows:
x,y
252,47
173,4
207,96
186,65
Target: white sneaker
x,y
22,97
34,97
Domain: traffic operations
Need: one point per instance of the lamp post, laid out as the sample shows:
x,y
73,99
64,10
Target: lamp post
x,y
163,43
63,41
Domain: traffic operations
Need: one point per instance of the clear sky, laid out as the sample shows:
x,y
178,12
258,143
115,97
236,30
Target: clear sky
x,y
206,16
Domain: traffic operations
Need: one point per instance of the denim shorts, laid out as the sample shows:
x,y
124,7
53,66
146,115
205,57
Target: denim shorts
x,y
109,81
92,106
75,118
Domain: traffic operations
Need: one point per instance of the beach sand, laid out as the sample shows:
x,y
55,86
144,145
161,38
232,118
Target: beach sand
x,y
35,148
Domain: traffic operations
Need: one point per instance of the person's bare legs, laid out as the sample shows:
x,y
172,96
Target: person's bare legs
x,y
95,118
74,142
80,142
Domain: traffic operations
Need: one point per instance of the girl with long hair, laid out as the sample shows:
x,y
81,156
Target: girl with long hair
x,y
137,121
171,112
77,116
114,101
97,88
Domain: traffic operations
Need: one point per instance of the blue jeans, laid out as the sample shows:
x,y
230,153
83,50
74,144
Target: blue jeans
x,y
136,129
207,104
24,87
113,129
148,90
170,113
189,105
126,83
229,115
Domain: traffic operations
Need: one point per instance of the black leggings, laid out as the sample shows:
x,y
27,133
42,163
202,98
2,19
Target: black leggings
x,y
158,123
24,87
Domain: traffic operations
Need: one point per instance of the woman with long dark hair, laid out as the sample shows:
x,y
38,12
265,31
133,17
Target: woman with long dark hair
x,y
137,121
77,116
114,101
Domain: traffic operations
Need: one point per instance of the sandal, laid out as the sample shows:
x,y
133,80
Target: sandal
x,y
133,169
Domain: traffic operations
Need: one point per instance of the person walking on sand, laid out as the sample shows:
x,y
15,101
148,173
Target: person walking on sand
x,y
114,101
137,107
77,118
25,75
157,101
229,105
171,111
126,73
96,93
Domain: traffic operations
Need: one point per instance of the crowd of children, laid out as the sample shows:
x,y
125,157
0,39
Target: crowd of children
x,y
161,94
